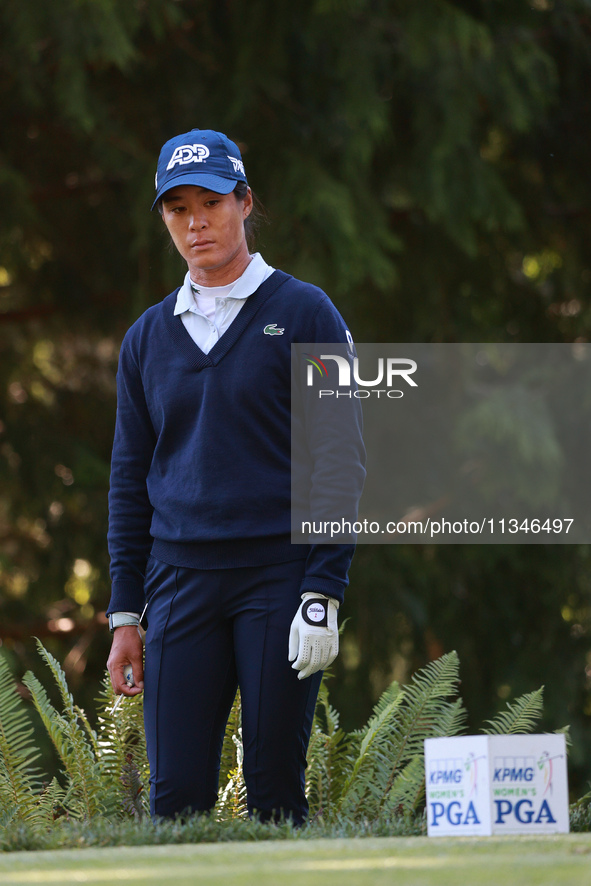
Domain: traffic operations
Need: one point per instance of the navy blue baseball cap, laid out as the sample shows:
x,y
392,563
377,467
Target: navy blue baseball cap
x,y
200,157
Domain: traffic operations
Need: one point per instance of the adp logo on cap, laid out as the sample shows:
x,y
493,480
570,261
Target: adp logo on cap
x,y
188,154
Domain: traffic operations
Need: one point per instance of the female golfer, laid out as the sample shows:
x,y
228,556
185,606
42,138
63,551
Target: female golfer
x,y
199,504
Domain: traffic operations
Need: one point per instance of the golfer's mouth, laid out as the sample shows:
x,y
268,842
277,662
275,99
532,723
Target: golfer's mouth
x,y
201,244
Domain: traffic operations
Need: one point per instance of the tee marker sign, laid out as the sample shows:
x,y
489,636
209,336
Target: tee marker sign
x,y
479,785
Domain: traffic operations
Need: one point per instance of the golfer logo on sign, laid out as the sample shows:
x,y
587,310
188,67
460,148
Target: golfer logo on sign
x,y
199,503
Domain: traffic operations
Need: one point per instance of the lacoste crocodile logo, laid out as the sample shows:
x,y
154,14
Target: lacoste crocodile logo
x,y
271,329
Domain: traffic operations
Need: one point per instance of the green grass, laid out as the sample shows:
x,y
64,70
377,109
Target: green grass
x,y
414,861
102,831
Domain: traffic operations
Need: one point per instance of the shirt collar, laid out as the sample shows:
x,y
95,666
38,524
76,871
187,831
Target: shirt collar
x,y
254,274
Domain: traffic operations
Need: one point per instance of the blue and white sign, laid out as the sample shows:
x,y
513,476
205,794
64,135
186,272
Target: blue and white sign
x,y
497,784
458,785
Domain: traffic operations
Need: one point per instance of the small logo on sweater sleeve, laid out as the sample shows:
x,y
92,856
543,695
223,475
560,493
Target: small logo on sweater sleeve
x,y
271,329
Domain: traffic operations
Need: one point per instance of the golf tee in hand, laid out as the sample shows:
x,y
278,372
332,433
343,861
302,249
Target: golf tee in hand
x,y
314,635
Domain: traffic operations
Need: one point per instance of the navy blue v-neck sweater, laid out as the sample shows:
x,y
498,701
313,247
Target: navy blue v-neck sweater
x,y
200,473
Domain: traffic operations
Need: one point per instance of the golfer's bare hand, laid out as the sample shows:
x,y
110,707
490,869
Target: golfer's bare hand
x,y
127,649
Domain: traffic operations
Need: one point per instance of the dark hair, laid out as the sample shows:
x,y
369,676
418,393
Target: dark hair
x,y
257,214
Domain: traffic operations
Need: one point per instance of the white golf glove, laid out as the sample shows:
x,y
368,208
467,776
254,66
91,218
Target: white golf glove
x,y
314,635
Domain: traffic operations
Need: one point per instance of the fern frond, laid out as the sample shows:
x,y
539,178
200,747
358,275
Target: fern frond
x,y
85,796
565,730
20,781
232,801
427,711
54,723
520,716
133,788
359,781
51,800
121,744
396,733
79,751
92,736
324,721
60,679
316,771
229,755
389,695
408,789
452,721
330,754
326,718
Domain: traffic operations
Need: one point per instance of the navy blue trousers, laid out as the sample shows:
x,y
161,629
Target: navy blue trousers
x,y
209,632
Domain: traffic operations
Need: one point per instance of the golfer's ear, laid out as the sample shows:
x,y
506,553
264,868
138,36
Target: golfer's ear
x,y
248,202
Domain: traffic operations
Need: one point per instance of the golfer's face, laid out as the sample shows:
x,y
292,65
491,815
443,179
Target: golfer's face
x,y
207,229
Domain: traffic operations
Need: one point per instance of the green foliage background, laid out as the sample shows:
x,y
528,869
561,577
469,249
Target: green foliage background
x,y
425,163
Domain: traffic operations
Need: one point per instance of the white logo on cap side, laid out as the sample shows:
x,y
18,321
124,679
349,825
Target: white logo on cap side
x,y
237,164
188,154
315,611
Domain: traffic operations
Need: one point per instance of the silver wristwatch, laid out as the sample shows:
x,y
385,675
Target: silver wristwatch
x,y
120,619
